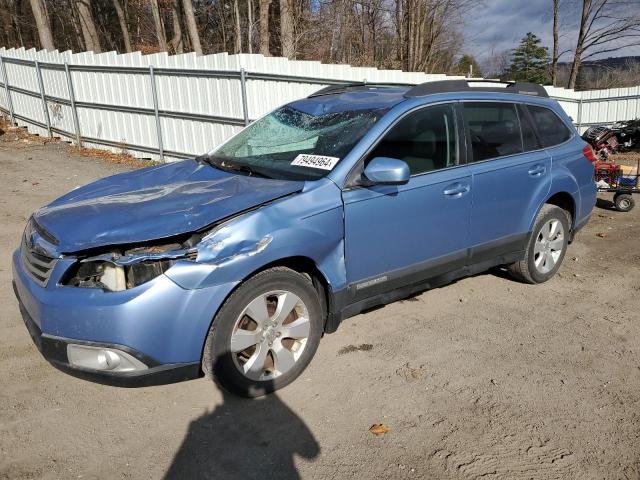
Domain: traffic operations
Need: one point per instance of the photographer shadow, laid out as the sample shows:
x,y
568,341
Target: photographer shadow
x,y
244,439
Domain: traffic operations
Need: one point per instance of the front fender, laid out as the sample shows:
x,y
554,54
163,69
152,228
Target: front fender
x,y
309,224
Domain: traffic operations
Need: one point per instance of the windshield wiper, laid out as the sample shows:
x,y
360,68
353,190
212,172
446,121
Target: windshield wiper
x,y
228,165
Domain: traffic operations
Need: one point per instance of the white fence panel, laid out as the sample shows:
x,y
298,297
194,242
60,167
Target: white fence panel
x,y
200,100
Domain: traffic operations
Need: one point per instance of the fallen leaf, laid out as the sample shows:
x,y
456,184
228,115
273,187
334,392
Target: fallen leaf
x,y
601,235
378,429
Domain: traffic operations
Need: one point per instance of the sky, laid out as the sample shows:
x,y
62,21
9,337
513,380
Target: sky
x,y
499,25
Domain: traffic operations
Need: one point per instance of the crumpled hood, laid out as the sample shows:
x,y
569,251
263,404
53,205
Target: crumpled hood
x,y
153,203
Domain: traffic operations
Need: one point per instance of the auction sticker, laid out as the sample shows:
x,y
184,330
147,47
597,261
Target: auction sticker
x,y
315,161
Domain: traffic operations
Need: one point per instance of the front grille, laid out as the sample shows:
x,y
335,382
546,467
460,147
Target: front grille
x,y
37,265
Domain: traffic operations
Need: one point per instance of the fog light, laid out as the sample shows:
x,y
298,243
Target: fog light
x,y
101,358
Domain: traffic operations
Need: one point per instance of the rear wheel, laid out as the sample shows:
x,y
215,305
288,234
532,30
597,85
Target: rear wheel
x,y
265,334
624,202
546,247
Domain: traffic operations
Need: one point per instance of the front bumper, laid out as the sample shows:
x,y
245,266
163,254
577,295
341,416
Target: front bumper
x,y
159,323
54,350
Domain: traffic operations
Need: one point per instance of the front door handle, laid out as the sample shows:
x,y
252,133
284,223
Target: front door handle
x,y
456,190
537,170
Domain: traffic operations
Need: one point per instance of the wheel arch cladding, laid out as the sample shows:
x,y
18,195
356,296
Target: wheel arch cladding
x,y
565,201
564,189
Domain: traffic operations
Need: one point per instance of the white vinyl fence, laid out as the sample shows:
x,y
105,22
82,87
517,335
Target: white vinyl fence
x,y
168,107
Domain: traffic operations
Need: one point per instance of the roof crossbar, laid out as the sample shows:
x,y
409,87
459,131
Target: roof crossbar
x,y
448,86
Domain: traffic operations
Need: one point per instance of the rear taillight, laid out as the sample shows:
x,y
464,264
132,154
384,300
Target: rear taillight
x,y
587,151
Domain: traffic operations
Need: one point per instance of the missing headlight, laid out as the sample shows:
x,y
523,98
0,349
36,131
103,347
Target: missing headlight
x,y
113,277
142,272
96,275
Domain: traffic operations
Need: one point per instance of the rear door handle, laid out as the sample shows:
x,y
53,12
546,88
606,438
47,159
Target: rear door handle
x,y
537,170
456,190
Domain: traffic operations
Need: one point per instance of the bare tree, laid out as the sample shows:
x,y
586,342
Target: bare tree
x,y
286,30
431,32
42,23
192,26
157,20
554,55
89,30
605,26
176,42
249,26
264,27
122,19
237,46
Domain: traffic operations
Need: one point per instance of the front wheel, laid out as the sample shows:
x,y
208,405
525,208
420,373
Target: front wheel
x,y
546,247
624,202
265,334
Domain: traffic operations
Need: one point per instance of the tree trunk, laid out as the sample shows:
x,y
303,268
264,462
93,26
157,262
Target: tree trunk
x,y
157,20
42,23
77,29
249,26
192,26
554,58
577,58
89,30
223,25
264,27
237,30
176,41
286,30
400,31
15,23
122,19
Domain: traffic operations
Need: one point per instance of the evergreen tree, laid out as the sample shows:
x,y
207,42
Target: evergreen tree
x,y
464,64
530,61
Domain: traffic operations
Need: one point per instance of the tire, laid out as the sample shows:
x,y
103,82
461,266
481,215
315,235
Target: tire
x,y
272,359
543,256
624,202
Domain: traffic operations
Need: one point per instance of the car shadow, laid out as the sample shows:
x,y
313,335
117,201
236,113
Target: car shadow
x,y
244,439
605,204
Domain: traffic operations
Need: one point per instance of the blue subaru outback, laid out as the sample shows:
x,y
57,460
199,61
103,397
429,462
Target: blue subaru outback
x,y
235,263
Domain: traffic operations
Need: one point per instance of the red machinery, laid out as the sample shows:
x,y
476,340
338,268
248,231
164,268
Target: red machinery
x,y
610,177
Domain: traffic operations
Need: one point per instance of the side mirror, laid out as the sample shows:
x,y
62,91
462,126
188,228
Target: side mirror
x,y
387,171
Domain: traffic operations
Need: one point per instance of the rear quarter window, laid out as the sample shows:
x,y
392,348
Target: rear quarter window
x,y
551,130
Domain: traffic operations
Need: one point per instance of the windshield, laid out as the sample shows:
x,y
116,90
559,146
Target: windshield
x,y
292,145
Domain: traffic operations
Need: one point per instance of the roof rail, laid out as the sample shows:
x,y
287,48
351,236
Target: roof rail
x,y
447,86
345,87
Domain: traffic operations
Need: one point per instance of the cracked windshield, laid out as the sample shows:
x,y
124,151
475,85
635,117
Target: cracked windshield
x,y
294,145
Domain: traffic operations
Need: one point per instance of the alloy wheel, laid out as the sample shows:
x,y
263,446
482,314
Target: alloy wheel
x,y
548,246
270,335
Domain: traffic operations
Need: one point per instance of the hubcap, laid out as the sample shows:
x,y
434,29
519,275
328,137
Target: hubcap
x,y
624,203
270,335
548,246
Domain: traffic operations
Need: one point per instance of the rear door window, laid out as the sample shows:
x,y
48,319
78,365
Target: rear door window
x,y
494,129
551,130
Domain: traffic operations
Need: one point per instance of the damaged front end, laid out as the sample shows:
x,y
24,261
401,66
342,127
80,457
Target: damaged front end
x,y
122,269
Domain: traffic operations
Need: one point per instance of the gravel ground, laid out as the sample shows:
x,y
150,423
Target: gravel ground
x,y
484,377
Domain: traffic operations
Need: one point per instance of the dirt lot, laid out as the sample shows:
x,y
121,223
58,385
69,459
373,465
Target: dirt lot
x,y
485,377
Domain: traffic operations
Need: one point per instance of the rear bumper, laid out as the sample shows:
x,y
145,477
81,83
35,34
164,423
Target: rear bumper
x,y
54,350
